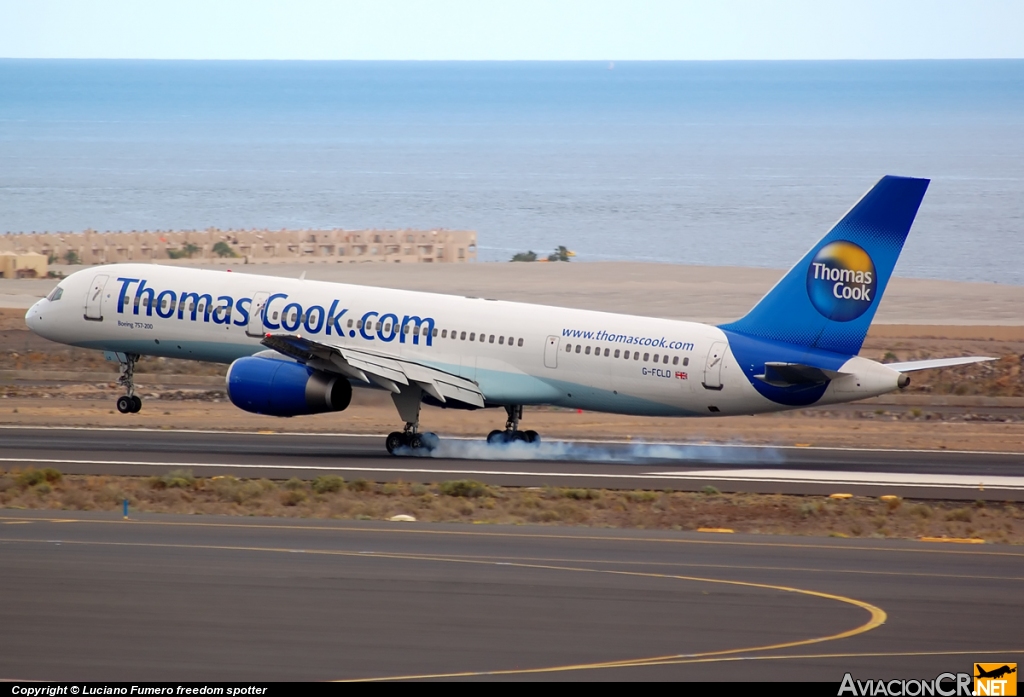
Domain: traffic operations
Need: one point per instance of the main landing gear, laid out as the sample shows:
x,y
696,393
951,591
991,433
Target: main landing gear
x,y
512,434
412,439
408,404
130,403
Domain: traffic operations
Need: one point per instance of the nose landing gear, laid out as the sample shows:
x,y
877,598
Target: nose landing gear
x,y
129,403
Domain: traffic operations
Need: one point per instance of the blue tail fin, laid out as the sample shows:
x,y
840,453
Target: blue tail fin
x,y
827,301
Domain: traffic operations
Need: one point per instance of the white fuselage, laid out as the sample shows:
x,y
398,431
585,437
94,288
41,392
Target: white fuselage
x,y
517,353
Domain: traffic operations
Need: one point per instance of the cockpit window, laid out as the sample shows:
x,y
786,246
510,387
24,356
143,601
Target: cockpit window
x,y
55,294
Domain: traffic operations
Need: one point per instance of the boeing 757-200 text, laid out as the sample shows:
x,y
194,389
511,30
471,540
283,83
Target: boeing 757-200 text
x,y
298,347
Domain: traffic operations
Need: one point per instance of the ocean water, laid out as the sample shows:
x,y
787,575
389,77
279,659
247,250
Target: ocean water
x,y
721,163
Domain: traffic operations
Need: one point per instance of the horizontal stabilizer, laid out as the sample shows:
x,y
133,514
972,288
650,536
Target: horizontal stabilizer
x,y
910,366
796,374
388,371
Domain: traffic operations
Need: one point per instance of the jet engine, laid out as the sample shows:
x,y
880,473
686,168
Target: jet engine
x,y
276,387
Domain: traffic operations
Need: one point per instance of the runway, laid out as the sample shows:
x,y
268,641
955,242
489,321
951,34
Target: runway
x,y
91,597
622,465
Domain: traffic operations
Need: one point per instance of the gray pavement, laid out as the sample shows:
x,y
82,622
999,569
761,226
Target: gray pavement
x,y
90,597
908,473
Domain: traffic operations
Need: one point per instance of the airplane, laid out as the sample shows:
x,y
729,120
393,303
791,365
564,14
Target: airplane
x,y
995,672
297,347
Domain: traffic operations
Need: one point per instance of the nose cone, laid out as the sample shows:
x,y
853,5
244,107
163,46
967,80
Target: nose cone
x,y
34,317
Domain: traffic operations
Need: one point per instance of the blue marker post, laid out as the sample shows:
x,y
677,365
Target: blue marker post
x,y
126,509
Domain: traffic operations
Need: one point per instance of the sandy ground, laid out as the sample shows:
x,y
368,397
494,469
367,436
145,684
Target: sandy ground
x,y
698,293
974,408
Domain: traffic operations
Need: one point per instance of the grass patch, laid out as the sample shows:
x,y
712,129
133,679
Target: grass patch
x,y
469,501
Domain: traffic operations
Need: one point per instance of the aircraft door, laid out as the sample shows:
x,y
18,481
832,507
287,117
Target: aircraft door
x,y
713,367
551,352
256,315
94,300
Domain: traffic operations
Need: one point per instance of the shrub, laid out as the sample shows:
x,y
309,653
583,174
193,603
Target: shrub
x,y
31,477
466,488
710,491
293,497
51,475
328,484
580,494
175,479
294,484
359,485
641,496
960,515
922,511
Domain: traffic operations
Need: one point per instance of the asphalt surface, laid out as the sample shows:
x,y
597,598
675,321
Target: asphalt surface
x,y
90,597
909,473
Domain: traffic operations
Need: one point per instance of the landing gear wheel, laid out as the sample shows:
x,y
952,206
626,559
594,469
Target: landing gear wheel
x,y
136,404
495,437
416,441
430,440
518,437
125,404
395,440
532,437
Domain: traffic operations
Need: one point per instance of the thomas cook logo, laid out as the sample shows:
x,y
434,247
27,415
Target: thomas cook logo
x,y
995,679
841,281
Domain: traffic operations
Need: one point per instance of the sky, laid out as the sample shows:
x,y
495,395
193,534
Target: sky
x,y
514,30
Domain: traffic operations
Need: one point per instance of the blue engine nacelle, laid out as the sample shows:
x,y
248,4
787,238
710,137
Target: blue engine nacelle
x,y
284,388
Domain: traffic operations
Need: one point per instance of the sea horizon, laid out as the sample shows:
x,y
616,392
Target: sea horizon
x,y
721,163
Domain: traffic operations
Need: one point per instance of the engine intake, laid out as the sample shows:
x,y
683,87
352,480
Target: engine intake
x,y
284,388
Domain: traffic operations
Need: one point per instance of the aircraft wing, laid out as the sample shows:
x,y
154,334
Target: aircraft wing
x,y
909,366
387,370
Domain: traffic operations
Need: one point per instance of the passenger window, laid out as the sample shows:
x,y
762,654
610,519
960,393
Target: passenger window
x,y
491,340
568,348
616,353
646,356
435,331
275,314
675,360
472,336
656,359
686,361
636,355
520,342
501,341
606,353
444,333
463,336
578,347
349,323
587,352
483,338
